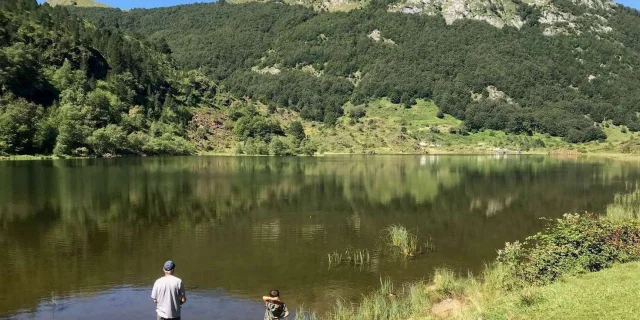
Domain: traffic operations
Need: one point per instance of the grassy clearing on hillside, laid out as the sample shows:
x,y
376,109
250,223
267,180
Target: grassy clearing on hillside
x,y
393,128
79,3
387,128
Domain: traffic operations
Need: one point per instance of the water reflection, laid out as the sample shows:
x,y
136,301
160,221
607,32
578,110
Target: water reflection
x,y
84,226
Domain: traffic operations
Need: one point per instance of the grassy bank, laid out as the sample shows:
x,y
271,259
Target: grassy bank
x,y
580,267
609,294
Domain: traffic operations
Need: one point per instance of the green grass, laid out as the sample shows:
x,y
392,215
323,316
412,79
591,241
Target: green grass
x,y
400,240
389,128
28,157
608,294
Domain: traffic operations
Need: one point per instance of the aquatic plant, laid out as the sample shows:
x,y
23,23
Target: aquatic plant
x,y
402,241
351,256
302,314
625,206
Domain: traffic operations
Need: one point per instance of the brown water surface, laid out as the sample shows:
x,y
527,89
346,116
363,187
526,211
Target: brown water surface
x,y
86,239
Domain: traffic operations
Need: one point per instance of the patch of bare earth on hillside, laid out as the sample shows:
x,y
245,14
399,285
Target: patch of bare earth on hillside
x,y
207,130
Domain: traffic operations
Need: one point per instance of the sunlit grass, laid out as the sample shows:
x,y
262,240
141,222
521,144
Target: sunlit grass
x,y
625,206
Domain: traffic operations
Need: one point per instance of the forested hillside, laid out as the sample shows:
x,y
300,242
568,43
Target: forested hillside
x,y
520,80
70,89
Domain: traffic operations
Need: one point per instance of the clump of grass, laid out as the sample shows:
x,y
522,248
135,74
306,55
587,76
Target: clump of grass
x,y
404,242
302,314
384,303
529,297
447,284
351,256
625,206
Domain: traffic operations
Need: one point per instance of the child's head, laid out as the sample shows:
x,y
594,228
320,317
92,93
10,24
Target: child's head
x,y
274,294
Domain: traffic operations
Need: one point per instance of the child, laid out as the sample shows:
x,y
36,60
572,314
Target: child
x,y
276,309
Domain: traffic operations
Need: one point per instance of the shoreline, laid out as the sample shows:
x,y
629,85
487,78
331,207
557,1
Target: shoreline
x,y
550,153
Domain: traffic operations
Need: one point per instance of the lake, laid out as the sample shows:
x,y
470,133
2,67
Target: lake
x,y
87,238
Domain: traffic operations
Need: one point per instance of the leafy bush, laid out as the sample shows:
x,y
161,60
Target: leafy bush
x,y
573,244
255,147
168,144
18,119
110,140
278,147
356,112
308,147
297,131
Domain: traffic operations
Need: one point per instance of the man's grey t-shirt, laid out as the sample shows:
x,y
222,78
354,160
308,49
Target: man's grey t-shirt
x,y
167,291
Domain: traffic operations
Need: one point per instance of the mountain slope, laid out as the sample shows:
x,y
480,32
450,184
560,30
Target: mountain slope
x,y
70,89
78,3
554,76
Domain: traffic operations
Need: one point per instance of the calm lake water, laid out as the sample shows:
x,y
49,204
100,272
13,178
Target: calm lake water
x,y
87,238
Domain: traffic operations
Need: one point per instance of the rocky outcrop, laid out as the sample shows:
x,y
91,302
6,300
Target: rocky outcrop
x,y
515,13
376,36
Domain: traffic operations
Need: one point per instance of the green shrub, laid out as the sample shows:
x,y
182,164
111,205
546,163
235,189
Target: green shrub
x,y
356,112
308,147
109,140
573,244
168,144
297,131
278,147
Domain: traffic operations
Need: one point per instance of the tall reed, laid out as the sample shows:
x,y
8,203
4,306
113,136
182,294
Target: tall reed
x,y
625,206
351,256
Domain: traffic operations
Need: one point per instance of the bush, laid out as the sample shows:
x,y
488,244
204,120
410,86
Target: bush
x,y
308,147
136,142
356,112
277,147
256,147
18,119
297,131
538,143
440,114
168,144
110,140
585,135
573,244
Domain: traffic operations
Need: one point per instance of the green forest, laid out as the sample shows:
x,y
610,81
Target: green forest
x,y
315,62
70,89
105,82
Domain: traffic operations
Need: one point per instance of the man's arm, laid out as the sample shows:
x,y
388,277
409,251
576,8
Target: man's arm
x,y
267,299
183,294
154,293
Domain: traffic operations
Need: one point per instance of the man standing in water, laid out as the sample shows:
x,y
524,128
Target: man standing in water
x,y
168,294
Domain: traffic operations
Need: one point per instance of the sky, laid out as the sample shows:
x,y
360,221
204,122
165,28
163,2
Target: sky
x,y
630,3
129,4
